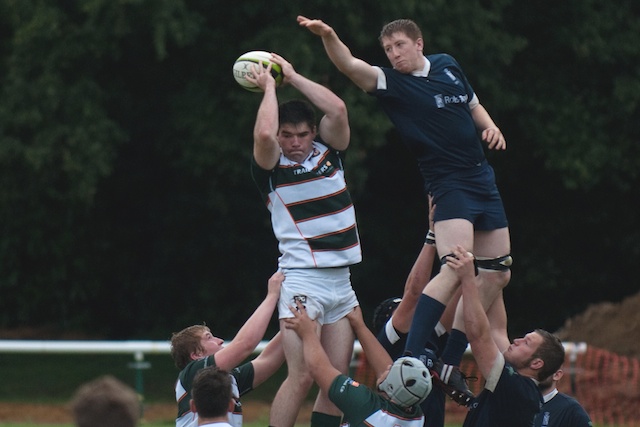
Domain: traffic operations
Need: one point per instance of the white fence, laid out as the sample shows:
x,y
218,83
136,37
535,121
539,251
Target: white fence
x,y
139,348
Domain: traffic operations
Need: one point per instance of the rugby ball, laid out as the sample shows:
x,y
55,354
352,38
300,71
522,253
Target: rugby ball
x,y
244,64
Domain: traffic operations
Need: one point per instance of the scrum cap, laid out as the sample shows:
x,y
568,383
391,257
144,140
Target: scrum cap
x,y
408,382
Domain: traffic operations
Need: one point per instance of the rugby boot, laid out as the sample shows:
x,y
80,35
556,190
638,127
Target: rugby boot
x,y
454,382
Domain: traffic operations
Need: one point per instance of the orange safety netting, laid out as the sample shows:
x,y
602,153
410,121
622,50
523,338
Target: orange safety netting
x,y
606,384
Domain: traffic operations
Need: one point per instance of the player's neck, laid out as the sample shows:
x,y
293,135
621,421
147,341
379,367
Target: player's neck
x,y
213,420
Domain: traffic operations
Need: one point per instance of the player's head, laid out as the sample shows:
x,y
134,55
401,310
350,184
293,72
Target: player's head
x,y
402,42
540,352
192,343
296,112
408,382
404,26
551,351
383,312
105,402
211,393
296,129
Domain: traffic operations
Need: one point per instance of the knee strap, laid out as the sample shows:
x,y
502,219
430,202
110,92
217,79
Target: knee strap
x,y
502,263
476,263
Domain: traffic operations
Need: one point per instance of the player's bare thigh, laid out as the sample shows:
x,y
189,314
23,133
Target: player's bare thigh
x,y
492,244
452,232
337,340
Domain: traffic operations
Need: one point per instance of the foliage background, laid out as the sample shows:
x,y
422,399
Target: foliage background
x,y
126,205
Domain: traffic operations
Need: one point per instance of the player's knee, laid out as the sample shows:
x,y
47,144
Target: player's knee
x,y
502,263
443,262
500,269
302,381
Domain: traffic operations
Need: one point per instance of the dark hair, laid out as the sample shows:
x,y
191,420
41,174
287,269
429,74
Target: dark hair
x,y
295,112
551,351
383,312
405,26
211,392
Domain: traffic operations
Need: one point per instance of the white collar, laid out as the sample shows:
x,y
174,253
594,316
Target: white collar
x,y
425,71
216,423
547,397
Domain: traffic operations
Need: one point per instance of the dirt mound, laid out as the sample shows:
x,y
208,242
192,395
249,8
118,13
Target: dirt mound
x,y
610,326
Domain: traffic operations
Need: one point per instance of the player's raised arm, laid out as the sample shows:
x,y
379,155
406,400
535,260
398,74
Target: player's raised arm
x,y
334,124
361,73
249,336
266,149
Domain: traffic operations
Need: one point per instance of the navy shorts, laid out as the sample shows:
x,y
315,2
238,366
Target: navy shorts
x,y
484,211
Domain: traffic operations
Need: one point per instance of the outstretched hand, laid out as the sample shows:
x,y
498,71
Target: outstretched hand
x,y
287,69
355,317
301,323
275,282
261,76
462,262
316,26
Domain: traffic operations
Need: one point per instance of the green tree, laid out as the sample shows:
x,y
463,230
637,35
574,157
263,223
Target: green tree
x,y
125,146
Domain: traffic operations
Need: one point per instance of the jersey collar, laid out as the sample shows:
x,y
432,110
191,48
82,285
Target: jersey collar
x,y
547,397
425,71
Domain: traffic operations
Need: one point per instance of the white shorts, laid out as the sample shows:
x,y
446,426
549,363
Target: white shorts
x,y
326,293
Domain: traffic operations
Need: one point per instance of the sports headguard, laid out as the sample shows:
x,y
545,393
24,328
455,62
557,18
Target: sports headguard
x,y
382,313
408,382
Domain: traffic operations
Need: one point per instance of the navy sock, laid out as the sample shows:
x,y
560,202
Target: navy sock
x,y
426,317
455,348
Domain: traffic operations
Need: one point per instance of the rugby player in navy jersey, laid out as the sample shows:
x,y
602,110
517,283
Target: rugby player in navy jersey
x,y
559,409
441,120
512,371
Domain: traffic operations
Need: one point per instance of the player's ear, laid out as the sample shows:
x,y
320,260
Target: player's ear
x,y
558,374
536,363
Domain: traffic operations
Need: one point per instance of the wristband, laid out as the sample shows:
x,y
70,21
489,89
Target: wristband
x,y
431,238
390,331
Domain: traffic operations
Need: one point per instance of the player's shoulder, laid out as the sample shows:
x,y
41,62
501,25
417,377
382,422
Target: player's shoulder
x,y
567,399
442,60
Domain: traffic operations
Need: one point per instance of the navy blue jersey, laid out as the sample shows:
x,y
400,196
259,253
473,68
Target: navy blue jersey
x,y
433,117
562,411
514,402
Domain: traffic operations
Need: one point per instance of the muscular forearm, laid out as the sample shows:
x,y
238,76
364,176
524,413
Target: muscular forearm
x,y
318,363
327,101
377,356
338,52
265,146
481,118
475,320
269,360
255,327
416,281
360,72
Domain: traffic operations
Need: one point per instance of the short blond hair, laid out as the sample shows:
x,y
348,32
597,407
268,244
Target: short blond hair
x,y
185,342
405,26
